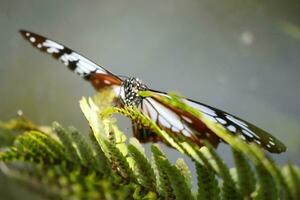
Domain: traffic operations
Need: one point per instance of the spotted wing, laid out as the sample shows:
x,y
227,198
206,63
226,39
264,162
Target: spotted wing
x,y
178,121
82,66
173,121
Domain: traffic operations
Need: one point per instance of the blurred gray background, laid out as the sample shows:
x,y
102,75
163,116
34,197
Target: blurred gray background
x,y
239,56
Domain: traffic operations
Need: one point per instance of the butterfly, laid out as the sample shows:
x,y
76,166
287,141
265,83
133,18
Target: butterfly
x,y
167,117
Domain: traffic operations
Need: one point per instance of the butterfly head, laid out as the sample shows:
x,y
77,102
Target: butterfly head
x,y
129,91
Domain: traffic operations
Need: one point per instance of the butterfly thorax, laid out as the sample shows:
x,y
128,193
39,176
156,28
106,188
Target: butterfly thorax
x,y
129,91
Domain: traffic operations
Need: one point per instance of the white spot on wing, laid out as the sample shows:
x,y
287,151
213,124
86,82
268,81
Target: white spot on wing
x,y
238,122
66,58
211,118
200,107
186,133
188,120
52,47
51,44
222,121
271,143
163,122
243,125
167,114
27,34
148,109
231,128
52,50
174,129
107,82
87,63
32,39
84,66
247,134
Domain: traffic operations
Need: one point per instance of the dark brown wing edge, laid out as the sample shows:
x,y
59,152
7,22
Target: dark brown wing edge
x,y
84,67
246,130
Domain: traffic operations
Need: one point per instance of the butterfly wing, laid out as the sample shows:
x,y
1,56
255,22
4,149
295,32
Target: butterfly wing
x,y
247,131
167,117
96,74
177,121
174,121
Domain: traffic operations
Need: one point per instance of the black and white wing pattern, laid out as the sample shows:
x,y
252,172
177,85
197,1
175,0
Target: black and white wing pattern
x,y
172,120
82,66
175,120
237,126
166,116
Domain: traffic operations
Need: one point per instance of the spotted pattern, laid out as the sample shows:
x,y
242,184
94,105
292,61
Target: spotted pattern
x,y
164,115
76,62
237,126
129,91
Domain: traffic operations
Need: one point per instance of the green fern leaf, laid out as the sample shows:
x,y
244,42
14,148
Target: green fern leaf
x,y
245,175
177,180
292,177
66,140
207,184
143,169
85,150
119,162
68,165
101,162
266,185
164,183
229,190
184,171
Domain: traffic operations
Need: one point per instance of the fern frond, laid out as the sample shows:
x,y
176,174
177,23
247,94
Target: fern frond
x,y
119,162
10,129
19,124
66,140
229,190
172,183
66,164
83,147
245,176
101,161
185,171
164,182
115,152
178,182
266,185
292,174
142,167
208,186
260,160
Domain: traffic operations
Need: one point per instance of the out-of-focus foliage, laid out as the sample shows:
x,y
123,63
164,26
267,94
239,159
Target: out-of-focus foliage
x,y
290,29
62,163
